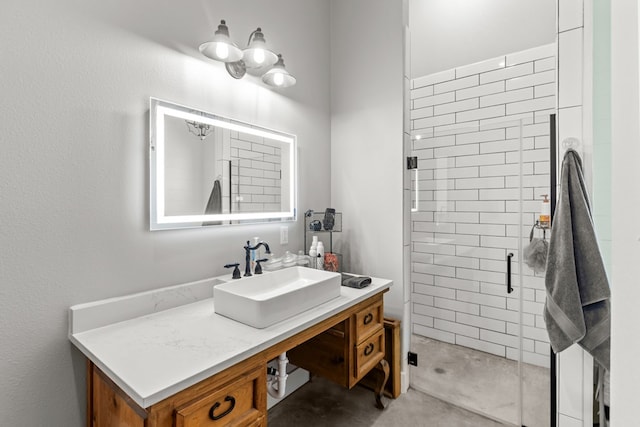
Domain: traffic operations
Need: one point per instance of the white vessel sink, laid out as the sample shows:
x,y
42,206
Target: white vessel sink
x,y
265,299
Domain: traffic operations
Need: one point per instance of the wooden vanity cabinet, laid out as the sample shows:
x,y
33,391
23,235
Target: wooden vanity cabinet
x,y
342,348
347,351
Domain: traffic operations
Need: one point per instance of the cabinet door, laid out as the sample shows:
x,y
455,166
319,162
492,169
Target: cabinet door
x,y
233,404
368,354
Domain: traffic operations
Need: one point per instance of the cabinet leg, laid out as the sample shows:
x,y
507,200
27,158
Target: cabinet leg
x,y
383,366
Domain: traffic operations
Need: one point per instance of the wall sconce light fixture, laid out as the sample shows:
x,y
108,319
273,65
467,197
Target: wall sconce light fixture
x,y
254,56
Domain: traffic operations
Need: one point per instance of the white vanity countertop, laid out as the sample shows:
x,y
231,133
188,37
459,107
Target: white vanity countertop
x,y
157,343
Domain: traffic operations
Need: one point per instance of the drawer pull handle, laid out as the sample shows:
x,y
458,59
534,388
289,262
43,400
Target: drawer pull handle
x,y
369,349
225,413
368,318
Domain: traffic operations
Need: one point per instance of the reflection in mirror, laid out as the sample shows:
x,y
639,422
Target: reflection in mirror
x,y
210,170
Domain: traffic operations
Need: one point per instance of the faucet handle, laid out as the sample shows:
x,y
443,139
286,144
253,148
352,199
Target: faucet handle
x,y
236,270
258,269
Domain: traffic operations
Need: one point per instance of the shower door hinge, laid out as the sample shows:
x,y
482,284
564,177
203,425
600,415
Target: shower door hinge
x,y
413,358
412,162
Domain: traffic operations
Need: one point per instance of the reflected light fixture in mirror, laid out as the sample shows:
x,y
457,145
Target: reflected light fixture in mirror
x,y
199,129
182,174
255,56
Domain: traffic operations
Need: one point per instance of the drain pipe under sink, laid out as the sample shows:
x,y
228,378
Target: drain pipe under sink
x,y
276,386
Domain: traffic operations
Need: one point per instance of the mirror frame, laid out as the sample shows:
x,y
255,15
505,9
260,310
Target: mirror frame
x,y
158,110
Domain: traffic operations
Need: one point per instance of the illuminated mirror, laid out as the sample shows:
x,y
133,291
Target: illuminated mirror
x,y
210,170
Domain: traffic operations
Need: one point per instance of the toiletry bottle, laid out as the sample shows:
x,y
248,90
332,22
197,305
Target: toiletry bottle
x,y
320,252
313,254
545,212
254,254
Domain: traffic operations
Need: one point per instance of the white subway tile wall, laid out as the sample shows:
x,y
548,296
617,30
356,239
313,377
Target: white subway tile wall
x,y
255,173
471,122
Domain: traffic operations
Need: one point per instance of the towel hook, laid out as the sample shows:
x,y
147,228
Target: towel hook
x,y
571,142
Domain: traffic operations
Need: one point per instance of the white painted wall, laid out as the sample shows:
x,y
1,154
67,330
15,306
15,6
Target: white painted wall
x,y
185,166
366,135
449,33
366,138
367,164
625,109
75,79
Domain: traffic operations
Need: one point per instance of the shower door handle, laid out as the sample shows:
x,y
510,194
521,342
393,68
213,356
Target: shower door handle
x,y
509,288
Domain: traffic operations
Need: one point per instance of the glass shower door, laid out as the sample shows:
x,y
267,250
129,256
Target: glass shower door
x,y
475,320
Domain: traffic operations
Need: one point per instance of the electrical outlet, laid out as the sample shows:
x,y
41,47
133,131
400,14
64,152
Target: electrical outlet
x,y
284,235
413,358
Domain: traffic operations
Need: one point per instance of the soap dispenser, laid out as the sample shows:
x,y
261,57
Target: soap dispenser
x,y
545,212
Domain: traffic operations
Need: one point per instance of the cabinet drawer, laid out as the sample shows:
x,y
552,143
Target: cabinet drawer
x,y
368,321
368,354
235,404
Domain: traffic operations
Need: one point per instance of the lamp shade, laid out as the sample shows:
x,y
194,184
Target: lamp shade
x,y
256,55
278,76
221,48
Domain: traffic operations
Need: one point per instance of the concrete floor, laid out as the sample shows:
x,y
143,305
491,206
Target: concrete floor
x,y
321,403
481,382
451,387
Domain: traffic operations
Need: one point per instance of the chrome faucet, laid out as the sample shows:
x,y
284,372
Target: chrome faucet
x,y
247,258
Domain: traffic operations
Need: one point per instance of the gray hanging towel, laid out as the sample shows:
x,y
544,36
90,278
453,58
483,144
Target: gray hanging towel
x,y
577,307
214,205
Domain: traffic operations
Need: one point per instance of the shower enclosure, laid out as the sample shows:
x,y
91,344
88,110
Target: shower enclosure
x,y
481,139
